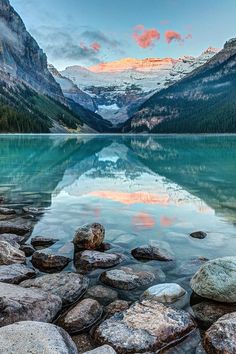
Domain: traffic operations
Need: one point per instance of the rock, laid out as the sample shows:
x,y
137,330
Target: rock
x,y
12,239
216,280
83,342
42,242
83,316
208,312
116,307
200,349
49,263
145,326
89,236
198,234
105,349
93,259
15,273
102,294
35,337
126,279
220,338
33,211
191,266
19,304
187,346
28,250
167,293
10,254
7,227
70,287
7,211
105,246
152,253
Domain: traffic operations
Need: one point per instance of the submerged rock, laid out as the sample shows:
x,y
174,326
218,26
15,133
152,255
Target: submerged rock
x,y
146,326
126,279
208,312
198,234
42,242
15,273
105,349
28,250
152,253
93,259
83,316
89,236
167,293
35,337
7,211
102,294
70,287
216,280
191,266
19,304
7,227
49,263
220,338
10,254
33,211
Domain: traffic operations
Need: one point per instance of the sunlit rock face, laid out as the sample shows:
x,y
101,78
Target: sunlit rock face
x,y
20,55
120,87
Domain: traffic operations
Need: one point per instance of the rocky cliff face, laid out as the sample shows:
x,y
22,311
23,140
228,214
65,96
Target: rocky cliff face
x,y
204,101
20,55
71,90
119,87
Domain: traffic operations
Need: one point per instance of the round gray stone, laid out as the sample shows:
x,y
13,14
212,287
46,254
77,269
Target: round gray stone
x,y
15,273
35,337
216,280
167,293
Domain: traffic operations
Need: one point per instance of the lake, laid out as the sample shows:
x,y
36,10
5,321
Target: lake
x,y
143,189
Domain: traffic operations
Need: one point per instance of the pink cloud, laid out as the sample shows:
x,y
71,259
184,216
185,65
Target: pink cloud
x,y
171,36
96,46
146,38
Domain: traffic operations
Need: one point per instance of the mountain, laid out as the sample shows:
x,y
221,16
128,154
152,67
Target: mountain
x,y
203,102
30,98
118,88
80,102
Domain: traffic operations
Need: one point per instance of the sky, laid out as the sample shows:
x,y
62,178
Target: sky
x,y
87,32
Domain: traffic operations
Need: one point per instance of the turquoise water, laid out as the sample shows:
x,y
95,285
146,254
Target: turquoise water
x,y
141,188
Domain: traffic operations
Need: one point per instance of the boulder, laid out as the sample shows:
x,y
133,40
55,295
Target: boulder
x,y
191,266
89,236
198,234
81,317
146,326
15,273
42,242
20,304
167,293
102,294
7,227
89,260
48,262
220,338
126,278
208,312
35,337
105,349
216,280
10,254
152,253
70,287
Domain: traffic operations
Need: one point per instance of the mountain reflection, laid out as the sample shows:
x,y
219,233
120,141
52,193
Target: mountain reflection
x,y
145,170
